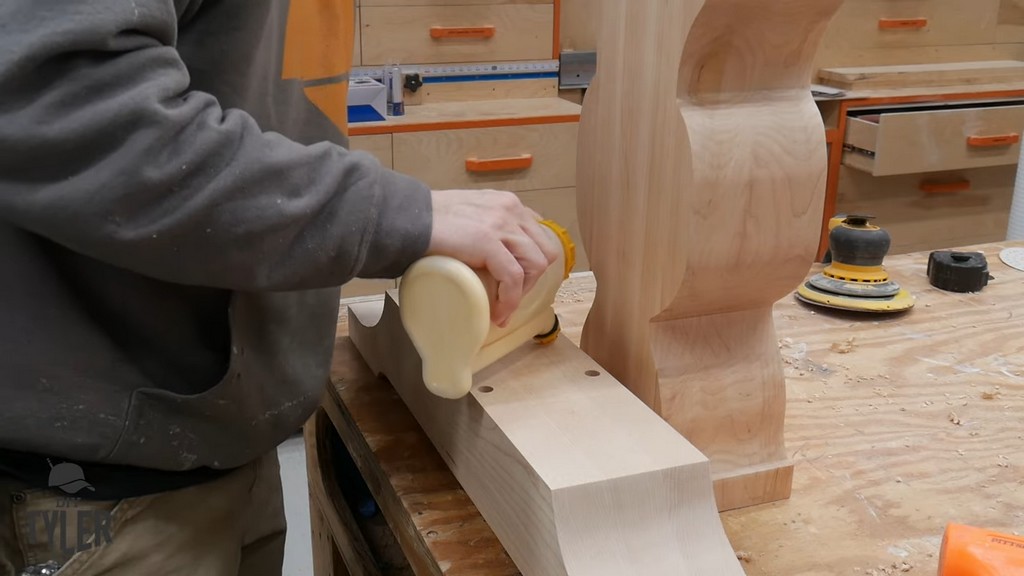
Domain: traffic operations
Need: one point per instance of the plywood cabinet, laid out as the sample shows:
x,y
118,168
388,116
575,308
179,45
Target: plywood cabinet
x,y
932,211
515,158
928,139
455,33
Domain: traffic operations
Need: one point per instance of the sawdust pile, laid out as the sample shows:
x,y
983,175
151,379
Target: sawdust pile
x,y
843,347
896,568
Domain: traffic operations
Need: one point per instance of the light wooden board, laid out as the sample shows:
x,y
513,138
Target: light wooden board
x,y
919,221
573,473
377,144
402,34
700,192
880,468
438,158
839,56
488,113
914,75
449,2
578,25
910,141
1007,90
949,22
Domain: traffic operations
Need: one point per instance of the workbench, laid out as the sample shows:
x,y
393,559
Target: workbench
x,y
897,425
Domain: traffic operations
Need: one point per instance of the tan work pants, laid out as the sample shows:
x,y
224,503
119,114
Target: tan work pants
x,y
234,525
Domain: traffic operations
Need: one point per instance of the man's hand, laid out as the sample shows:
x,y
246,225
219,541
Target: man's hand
x,y
492,230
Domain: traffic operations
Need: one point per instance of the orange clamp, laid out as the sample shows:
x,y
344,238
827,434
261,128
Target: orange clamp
x,y
902,23
993,141
473,32
499,164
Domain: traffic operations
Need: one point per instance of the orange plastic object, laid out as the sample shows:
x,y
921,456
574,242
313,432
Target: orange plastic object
x,y
933,187
968,551
499,164
993,141
439,32
902,23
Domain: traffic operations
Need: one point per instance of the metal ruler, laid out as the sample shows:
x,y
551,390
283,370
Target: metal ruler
x,y
468,72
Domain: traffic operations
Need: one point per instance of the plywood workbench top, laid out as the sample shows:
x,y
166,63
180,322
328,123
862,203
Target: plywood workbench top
x,y
897,425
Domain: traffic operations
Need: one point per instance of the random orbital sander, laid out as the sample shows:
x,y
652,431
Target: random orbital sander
x,y
445,310
855,279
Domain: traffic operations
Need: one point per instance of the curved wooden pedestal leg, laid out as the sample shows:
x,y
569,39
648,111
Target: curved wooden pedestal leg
x,y
701,182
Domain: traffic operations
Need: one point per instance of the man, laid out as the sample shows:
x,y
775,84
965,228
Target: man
x,y
177,210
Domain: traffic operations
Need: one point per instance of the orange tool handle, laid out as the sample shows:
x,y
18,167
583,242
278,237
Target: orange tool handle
x,y
499,164
475,32
970,551
993,141
933,187
902,23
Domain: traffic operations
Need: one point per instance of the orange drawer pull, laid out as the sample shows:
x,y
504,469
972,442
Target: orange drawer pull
x,y
499,164
475,32
902,23
993,141
933,187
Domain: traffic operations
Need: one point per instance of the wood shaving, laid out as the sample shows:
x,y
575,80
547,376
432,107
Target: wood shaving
x,y
843,347
744,557
989,395
895,568
954,418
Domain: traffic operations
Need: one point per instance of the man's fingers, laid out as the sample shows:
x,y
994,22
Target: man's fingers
x,y
507,271
545,239
530,257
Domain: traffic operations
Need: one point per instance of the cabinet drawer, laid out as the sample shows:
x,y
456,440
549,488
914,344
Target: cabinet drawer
x,y
559,205
892,24
514,158
440,34
921,214
927,140
378,144
449,2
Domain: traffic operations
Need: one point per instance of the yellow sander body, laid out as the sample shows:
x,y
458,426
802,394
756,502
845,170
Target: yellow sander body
x,y
855,279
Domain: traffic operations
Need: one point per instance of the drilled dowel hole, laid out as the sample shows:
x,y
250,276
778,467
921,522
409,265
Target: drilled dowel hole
x,y
592,373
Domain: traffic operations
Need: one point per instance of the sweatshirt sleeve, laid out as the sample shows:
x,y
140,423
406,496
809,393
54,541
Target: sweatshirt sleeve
x,y
103,149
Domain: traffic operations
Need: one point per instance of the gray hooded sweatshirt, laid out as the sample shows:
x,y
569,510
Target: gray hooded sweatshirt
x,y
176,215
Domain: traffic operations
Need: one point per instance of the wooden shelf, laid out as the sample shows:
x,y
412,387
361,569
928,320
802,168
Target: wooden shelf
x,y
483,114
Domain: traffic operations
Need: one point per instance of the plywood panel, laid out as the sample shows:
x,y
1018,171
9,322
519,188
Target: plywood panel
x,y
439,158
377,144
946,22
443,115
838,55
920,221
402,35
578,25
359,288
449,2
928,141
923,75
